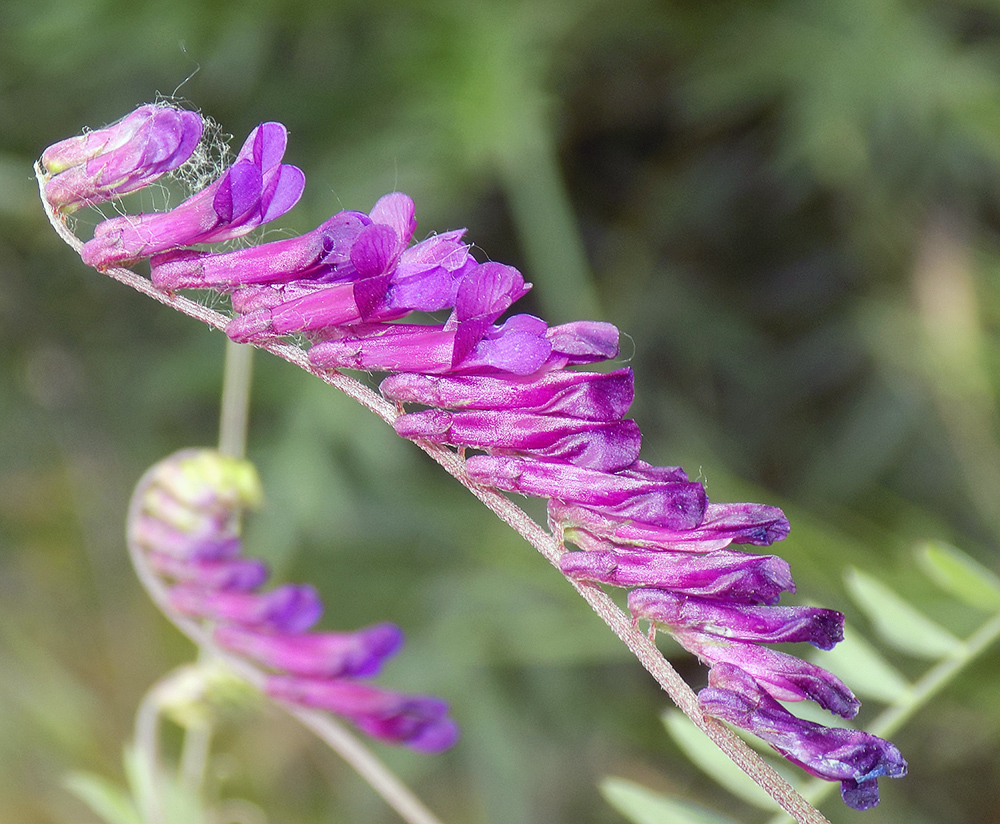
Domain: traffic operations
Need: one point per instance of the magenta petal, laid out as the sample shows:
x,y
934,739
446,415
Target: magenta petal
x,y
375,250
585,341
396,211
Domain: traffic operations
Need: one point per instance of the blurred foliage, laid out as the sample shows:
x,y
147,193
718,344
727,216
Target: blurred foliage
x,y
791,210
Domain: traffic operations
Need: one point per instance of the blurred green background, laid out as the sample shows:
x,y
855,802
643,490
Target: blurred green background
x,y
791,209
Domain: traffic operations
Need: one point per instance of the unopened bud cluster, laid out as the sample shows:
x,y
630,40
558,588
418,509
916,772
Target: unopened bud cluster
x,y
185,524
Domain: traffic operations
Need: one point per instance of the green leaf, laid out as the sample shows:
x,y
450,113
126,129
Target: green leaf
x,y
109,802
713,762
863,668
641,805
962,576
898,622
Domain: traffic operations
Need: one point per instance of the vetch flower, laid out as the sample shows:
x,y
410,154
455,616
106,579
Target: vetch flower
x,y
591,396
856,759
124,157
602,445
722,525
357,654
723,574
424,277
421,722
669,500
288,608
323,253
823,628
256,188
783,676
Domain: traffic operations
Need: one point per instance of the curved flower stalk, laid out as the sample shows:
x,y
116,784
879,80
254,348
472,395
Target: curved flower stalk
x,y
508,390
184,528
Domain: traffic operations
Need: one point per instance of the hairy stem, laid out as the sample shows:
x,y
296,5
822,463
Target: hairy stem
x,y
542,540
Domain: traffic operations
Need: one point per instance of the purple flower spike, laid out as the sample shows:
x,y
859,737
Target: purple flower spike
x,y
822,628
320,254
134,152
677,504
597,445
420,722
783,676
255,189
589,396
240,574
316,655
723,524
856,759
725,575
288,608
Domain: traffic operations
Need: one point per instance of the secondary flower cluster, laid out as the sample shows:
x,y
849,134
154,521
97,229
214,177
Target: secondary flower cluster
x,y
184,523
508,390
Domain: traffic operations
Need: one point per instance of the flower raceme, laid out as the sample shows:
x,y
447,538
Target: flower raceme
x,y
184,525
506,389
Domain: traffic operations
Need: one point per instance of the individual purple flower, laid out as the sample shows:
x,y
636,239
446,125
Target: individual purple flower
x,y
240,574
783,676
288,608
316,654
730,576
856,759
209,544
425,277
669,500
722,525
421,722
321,255
97,166
256,188
602,445
589,396
823,628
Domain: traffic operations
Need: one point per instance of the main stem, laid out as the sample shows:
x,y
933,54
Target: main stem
x,y
543,541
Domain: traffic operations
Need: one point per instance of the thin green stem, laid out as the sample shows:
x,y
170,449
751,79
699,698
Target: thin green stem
x,y
547,229
234,414
235,407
